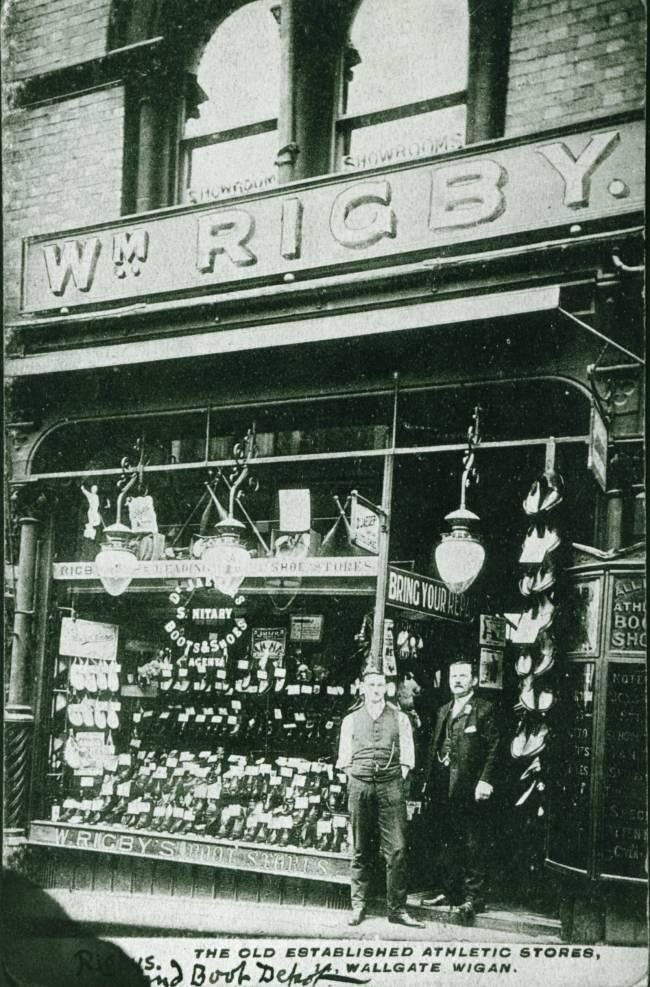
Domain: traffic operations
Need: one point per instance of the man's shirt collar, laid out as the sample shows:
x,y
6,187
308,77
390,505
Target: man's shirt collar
x,y
459,705
375,711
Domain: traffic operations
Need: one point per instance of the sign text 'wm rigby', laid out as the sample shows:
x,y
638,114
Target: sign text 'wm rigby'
x,y
421,208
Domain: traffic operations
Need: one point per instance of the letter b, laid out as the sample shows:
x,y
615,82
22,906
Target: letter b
x,y
198,975
466,194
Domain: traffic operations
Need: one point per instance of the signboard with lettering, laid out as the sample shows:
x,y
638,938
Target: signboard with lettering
x,y
324,567
569,833
88,639
195,850
306,628
598,447
268,644
336,222
365,525
625,811
628,622
422,594
583,615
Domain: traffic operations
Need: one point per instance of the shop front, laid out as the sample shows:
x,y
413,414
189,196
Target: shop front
x,y
366,357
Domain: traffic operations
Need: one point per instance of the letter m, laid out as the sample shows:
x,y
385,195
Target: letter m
x,y
74,260
130,248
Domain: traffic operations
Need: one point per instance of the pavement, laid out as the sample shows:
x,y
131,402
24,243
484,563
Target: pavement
x,y
133,915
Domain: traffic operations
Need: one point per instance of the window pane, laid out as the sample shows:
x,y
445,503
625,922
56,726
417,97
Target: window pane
x,y
411,50
240,72
411,137
219,171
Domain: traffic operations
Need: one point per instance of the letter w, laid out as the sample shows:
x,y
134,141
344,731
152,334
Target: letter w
x,y
74,261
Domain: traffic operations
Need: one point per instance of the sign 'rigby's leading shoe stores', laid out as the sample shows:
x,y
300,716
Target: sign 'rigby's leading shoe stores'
x,y
333,223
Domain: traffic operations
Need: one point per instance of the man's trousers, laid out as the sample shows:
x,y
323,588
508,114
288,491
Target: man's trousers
x,y
380,803
460,829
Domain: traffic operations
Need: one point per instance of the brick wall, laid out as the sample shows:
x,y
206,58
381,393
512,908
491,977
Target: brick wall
x,y
50,34
62,167
574,59
570,60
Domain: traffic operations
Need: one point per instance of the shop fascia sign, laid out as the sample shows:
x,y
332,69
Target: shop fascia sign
x,y
333,567
421,208
422,594
289,863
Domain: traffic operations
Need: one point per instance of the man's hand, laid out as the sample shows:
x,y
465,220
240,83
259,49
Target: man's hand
x,y
482,791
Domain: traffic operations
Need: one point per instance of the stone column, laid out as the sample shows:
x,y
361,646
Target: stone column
x,y
19,717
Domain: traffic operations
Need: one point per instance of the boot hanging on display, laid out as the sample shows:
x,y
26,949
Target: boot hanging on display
x,y
535,632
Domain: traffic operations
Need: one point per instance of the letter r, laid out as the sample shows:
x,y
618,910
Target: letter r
x,y
226,233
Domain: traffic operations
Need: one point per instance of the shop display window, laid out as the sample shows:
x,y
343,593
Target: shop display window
x,y
230,737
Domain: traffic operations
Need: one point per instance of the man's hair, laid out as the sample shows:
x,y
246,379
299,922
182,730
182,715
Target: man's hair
x,y
463,661
372,671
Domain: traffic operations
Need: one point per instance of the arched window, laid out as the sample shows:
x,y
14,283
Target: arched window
x,y
404,94
229,142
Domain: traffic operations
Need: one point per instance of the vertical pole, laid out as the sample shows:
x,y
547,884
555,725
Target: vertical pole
x,y
376,651
19,718
288,149
147,154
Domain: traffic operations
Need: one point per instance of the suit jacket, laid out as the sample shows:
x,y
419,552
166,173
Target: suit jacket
x,y
474,750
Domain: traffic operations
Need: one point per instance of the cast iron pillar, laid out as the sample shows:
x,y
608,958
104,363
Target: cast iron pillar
x,y
19,717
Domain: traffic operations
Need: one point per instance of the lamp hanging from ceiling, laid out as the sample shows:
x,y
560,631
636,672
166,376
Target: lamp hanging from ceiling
x,y
460,554
224,554
116,561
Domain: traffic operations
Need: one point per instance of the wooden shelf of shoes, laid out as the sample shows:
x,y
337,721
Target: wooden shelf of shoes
x,y
223,778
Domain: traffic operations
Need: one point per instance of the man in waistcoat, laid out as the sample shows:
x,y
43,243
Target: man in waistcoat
x,y
376,752
459,778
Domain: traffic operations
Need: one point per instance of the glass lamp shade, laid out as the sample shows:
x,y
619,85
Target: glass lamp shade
x,y
116,562
225,558
460,555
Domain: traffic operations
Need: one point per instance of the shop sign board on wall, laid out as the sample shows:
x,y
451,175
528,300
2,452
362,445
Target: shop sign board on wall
x,y
336,222
569,827
322,567
628,631
88,639
625,811
422,594
207,852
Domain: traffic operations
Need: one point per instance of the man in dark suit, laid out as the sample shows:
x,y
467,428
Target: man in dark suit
x,y
459,781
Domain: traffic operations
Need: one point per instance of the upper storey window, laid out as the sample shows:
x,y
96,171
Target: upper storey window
x,y
230,141
404,94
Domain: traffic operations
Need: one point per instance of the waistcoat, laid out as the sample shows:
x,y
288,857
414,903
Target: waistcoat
x,y
375,745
